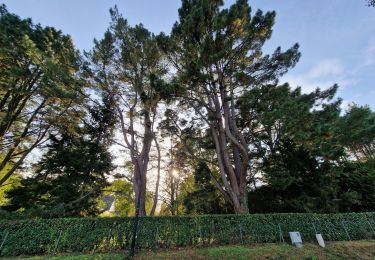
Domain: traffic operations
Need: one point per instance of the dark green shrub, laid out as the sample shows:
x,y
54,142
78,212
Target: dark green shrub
x,y
40,236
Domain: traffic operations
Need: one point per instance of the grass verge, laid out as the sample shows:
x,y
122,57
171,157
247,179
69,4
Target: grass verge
x,y
333,250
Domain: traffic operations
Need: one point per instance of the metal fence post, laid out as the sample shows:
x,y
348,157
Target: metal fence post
x,y
5,238
241,236
346,231
109,238
314,228
212,236
281,234
157,237
200,240
135,228
57,242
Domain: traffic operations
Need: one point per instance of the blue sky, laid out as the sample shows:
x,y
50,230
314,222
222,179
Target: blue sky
x,y
337,37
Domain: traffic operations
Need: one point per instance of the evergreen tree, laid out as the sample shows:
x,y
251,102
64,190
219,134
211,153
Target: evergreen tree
x,y
205,198
356,186
38,87
304,150
217,53
71,175
295,147
357,132
128,64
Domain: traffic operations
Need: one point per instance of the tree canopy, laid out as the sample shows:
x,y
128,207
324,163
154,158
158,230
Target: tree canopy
x,y
38,86
191,122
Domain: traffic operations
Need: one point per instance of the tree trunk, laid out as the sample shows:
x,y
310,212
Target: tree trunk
x,y
139,186
140,194
156,194
142,164
231,149
140,159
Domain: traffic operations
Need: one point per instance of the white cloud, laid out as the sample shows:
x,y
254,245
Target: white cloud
x,y
303,82
326,68
323,75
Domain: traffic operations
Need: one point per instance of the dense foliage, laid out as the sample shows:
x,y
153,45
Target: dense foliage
x,y
217,53
38,87
71,175
204,198
128,65
42,236
201,109
303,149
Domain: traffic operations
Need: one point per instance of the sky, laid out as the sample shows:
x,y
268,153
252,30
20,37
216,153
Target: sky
x,y
336,37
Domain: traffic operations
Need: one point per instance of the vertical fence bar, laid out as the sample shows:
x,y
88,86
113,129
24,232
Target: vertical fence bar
x,y
135,228
157,237
5,238
241,236
201,240
281,237
57,242
346,231
109,239
212,237
314,228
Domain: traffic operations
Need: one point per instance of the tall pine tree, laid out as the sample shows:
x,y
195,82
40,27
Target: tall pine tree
x,y
217,53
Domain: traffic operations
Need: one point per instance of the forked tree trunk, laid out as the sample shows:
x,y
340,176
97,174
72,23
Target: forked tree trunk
x,y
235,190
231,147
143,160
139,159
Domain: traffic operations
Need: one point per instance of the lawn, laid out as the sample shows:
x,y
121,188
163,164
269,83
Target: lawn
x,y
333,250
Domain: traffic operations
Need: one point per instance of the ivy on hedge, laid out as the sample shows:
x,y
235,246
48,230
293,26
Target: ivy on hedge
x,y
45,236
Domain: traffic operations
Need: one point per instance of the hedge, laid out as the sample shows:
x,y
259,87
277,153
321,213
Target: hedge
x,y
46,236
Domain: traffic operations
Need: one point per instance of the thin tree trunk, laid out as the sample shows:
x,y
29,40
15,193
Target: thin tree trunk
x,y
156,194
145,157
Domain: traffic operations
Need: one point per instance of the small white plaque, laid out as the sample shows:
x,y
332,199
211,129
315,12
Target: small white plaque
x,y
320,240
296,239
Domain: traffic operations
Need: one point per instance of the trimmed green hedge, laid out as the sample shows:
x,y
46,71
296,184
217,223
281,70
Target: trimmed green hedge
x,y
42,236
